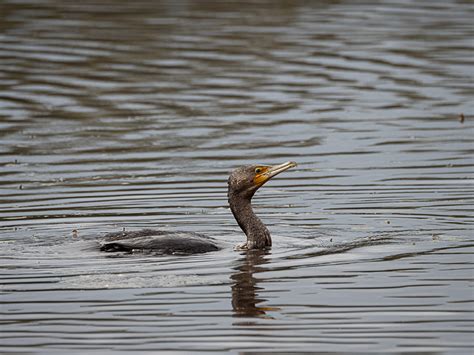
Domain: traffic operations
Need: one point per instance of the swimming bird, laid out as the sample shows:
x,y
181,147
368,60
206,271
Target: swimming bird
x,y
243,183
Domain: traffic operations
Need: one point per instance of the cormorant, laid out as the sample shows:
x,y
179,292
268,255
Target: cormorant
x,y
242,184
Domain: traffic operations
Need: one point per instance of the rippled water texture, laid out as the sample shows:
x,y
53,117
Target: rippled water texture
x,y
130,114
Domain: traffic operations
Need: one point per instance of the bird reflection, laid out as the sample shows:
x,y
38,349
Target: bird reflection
x,y
245,300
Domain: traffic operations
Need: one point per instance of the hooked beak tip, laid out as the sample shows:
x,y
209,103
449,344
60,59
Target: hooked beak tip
x,y
273,171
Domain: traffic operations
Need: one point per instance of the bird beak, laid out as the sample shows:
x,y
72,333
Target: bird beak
x,y
272,171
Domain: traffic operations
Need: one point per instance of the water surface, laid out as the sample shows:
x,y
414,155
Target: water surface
x,y
131,114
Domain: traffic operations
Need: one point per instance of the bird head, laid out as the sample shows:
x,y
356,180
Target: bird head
x,y
246,180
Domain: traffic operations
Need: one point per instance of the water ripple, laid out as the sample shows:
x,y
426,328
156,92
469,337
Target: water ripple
x,y
131,114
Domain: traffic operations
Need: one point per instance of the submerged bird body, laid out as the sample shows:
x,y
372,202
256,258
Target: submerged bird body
x,y
158,241
242,185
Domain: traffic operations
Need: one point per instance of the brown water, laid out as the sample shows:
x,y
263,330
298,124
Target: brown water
x,y
121,114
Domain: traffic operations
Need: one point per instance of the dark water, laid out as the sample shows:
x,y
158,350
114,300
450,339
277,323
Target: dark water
x,y
121,114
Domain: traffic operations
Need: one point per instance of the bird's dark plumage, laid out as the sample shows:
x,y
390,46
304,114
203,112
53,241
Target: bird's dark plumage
x,y
159,242
242,184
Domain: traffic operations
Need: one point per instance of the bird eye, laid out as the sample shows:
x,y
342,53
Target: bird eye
x,y
258,170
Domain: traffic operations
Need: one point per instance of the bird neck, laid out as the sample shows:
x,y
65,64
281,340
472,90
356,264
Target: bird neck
x,y
258,236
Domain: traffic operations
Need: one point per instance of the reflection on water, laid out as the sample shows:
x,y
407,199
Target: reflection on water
x,y
119,114
245,301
